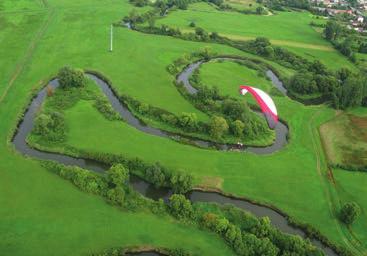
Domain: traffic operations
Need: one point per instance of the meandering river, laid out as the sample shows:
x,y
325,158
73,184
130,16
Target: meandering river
x,y
26,126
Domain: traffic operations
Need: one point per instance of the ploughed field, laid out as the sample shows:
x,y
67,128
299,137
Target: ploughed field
x,y
42,214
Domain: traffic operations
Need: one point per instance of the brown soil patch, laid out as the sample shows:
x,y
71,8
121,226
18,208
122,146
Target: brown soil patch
x,y
211,182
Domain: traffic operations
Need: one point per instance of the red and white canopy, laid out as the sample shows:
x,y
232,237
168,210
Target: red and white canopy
x,y
265,102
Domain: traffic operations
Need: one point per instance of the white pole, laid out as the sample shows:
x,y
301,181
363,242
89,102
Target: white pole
x,y
111,43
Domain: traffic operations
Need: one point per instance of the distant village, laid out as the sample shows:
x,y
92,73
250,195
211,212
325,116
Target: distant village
x,y
358,14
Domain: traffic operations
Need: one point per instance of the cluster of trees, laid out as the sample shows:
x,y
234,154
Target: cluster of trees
x,y
248,235
229,116
180,207
160,176
116,178
349,213
139,3
50,126
280,4
347,41
112,186
70,77
343,88
157,174
244,233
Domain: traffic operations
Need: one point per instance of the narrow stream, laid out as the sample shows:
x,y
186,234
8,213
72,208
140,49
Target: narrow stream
x,y
138,184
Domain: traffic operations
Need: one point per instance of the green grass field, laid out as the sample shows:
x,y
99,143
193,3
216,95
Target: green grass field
x,y
281,29
239,173
229,75
41,214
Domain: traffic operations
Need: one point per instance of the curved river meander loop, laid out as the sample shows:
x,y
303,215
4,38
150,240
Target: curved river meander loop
x,y
277,219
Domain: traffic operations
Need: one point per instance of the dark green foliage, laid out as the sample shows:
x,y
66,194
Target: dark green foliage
x,y
303,82
69,77
180,207
218,127
156,174
350,212
237,128
260,10
248,235
181,4
351,93
188,121
201,34
181,182
83,179
363,48
139,3
104,106
117,175
279,4
50,126
332,30
179,252
116,196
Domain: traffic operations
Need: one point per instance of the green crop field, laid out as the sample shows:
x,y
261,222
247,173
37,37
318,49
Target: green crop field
x,y
42,214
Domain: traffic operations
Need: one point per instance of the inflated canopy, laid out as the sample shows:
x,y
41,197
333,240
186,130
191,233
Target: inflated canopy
x,y
265,102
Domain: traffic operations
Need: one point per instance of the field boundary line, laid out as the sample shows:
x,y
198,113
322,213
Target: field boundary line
x,y
28,54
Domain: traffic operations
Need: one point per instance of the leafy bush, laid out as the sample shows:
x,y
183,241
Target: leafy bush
x,y
180,207
116,196
69,77
103,106
349,212
50,126
218,127
117,175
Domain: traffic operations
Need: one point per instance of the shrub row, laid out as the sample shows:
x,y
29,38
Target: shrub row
x,y
351,168
311,232
160,176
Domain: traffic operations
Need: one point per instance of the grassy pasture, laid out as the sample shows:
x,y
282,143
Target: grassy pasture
x,y
242,174
44,215
228,76
41,214
280,28
243,4
21,5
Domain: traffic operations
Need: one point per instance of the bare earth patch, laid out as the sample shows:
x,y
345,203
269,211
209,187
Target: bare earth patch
x,y
211,182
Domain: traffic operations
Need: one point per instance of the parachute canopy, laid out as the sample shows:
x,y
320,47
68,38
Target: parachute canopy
x,y
265,102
